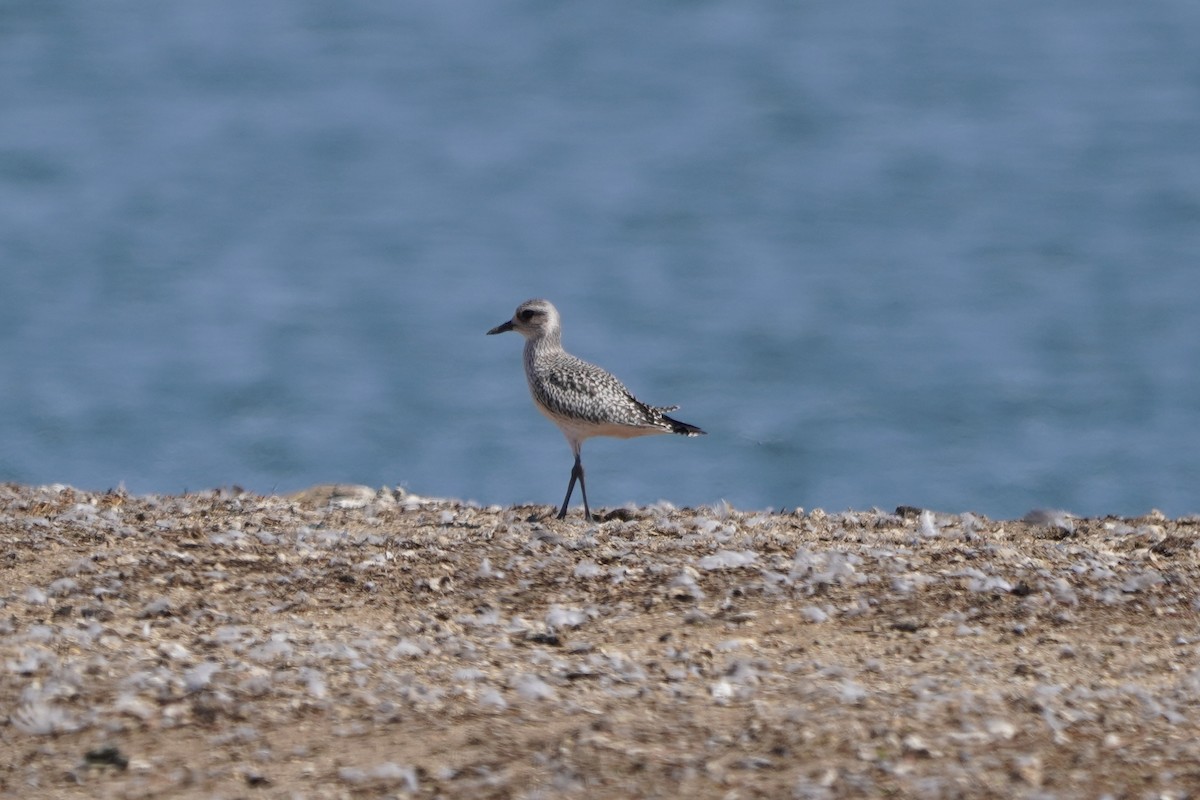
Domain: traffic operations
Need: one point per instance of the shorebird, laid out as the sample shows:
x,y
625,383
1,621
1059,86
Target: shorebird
x,y
582,399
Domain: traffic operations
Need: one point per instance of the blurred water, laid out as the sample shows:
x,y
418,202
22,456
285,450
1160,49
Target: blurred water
x,y
933,254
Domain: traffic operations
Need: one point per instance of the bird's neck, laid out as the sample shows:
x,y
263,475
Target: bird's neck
x,y
542,346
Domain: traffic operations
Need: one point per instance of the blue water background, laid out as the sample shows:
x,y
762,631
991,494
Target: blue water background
x,y
937,253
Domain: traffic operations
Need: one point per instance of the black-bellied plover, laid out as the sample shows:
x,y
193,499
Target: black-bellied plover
x,y
582,399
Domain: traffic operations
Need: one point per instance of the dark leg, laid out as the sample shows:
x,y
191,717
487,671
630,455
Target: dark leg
x,y
576,473
587,512
562,512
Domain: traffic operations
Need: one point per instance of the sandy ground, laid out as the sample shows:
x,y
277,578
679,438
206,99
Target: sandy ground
x,y
347,642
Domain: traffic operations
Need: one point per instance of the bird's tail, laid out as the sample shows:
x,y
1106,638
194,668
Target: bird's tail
x,y
682,428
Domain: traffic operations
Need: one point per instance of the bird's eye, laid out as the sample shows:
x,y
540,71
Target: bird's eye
x,y
527,315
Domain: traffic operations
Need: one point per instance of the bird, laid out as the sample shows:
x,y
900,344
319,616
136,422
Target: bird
x,y
582,399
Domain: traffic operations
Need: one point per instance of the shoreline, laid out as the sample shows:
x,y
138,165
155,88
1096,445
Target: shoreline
x,y
347,641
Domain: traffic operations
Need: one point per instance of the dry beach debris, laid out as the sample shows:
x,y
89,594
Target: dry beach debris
x,y
351,642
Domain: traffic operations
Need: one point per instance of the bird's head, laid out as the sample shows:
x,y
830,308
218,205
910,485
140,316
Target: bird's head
x,y
533,319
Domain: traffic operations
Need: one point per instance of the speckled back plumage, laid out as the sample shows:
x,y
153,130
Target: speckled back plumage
x,y
565,386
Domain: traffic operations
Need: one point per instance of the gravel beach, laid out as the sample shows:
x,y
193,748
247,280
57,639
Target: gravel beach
x,y
353,642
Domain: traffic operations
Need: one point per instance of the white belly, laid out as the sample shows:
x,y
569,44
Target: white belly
x,y
577,430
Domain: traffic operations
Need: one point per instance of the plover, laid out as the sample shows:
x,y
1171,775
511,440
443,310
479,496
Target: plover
x,y
582,399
